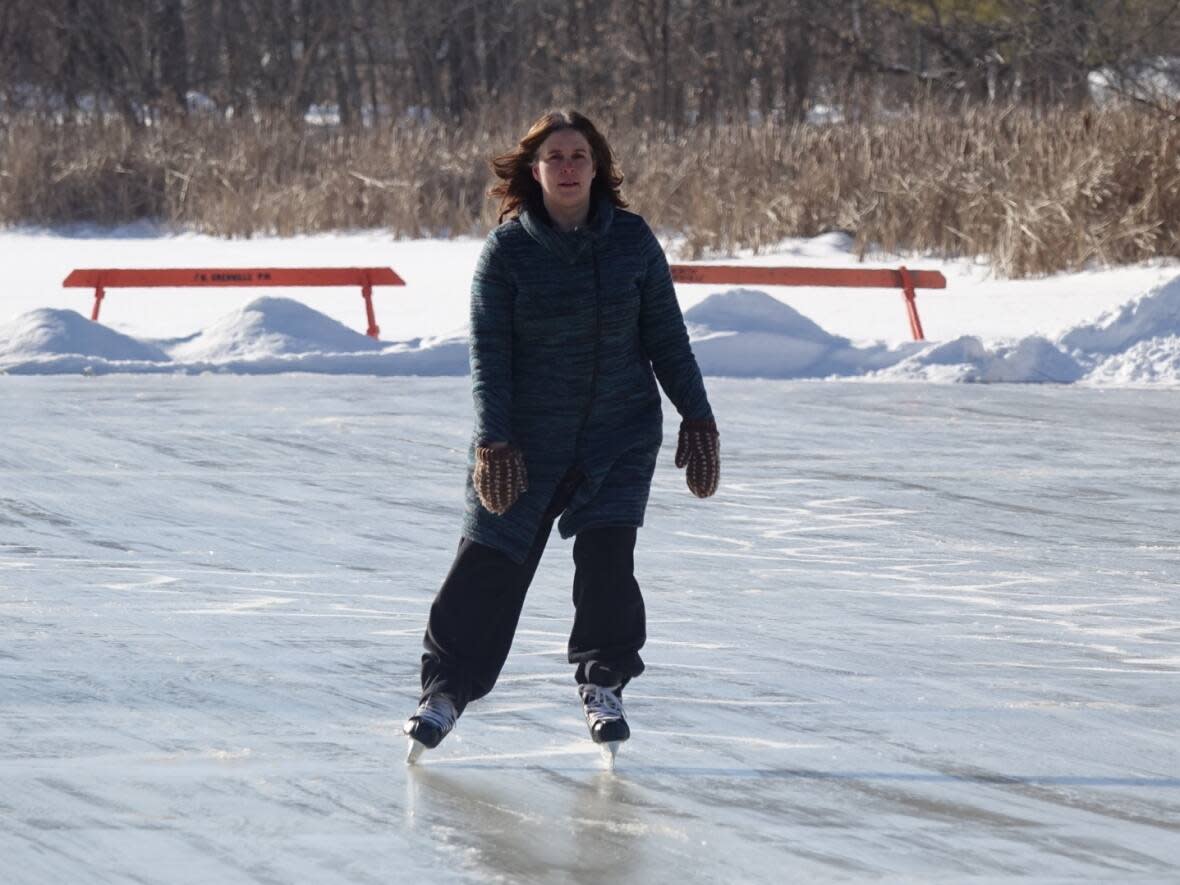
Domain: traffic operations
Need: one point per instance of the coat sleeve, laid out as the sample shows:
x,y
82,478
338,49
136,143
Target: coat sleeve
x,y
492,295
665,338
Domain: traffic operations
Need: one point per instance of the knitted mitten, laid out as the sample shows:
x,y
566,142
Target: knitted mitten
x,y
699,449
499,477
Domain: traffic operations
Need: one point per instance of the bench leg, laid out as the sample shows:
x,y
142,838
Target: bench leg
x,y
911,305
367,293
98,296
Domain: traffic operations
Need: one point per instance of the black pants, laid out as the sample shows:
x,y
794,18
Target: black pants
x,y
474,616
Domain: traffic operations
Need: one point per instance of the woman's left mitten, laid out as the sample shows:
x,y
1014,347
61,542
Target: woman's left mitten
x,y
699,449
499,477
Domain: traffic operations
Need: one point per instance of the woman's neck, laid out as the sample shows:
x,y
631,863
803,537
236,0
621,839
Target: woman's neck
x,y
568,219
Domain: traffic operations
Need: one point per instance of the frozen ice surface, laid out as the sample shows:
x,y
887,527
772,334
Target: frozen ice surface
x,y
922,633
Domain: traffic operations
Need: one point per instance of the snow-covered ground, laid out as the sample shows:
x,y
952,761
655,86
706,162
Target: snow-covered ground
x,y
1109,327
923,633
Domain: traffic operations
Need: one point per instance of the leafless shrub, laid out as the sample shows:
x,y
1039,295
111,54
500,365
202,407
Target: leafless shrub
x,y
1033,192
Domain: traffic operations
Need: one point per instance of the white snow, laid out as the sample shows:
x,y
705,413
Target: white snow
x,y
46,332
1155,314
1155,80
1032,359
271,326
1110,327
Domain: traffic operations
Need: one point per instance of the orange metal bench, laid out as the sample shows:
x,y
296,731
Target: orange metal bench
x,y
101,279
856,277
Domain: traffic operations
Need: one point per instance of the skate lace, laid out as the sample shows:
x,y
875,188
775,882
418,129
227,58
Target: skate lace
x,y
601,703
437,710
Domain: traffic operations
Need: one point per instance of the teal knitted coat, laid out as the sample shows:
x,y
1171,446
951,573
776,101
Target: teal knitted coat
x,y
566,330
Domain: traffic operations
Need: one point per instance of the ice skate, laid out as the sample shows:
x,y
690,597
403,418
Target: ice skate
x,y
431,722
603,707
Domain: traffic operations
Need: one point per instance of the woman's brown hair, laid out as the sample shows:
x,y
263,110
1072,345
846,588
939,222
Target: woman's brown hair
x,y
517,189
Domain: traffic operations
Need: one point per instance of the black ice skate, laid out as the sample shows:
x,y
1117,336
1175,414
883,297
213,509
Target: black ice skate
x,y
431,722
603,707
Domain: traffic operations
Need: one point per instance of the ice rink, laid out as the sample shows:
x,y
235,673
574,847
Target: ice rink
x,y
922,634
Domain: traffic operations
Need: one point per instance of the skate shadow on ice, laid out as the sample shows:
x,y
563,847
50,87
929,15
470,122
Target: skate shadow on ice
x,y
531,824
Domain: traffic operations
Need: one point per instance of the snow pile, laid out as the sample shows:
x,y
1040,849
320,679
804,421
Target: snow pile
x,y
268,336
1156,314
64,338
1033,359
271,327
1137,343
745,333
1155,361
444,355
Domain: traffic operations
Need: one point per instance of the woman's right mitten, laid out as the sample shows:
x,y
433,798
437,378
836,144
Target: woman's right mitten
x,y
699,449
499,477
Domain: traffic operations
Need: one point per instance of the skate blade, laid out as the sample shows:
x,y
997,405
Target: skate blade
x,y
609,750
417,748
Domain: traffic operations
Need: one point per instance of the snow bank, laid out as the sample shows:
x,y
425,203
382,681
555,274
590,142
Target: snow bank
x,y
1031,360
737,333
745,333
267,336
441,356
1136,343
49,332
1155,314
271,327
1155,361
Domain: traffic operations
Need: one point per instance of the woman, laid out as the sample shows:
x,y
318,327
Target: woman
x,y
572,308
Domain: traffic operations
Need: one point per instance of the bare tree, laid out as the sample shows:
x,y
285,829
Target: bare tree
x,y
172,53
671,62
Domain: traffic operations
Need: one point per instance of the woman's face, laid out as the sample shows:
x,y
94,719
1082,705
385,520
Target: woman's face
x,y
564,167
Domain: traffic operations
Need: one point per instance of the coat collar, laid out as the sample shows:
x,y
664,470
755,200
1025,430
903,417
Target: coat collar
x,y
569,246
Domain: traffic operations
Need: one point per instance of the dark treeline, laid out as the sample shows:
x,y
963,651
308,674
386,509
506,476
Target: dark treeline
x,y
673,62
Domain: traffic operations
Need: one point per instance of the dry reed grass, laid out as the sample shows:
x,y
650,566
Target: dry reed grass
x,y
1035,194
